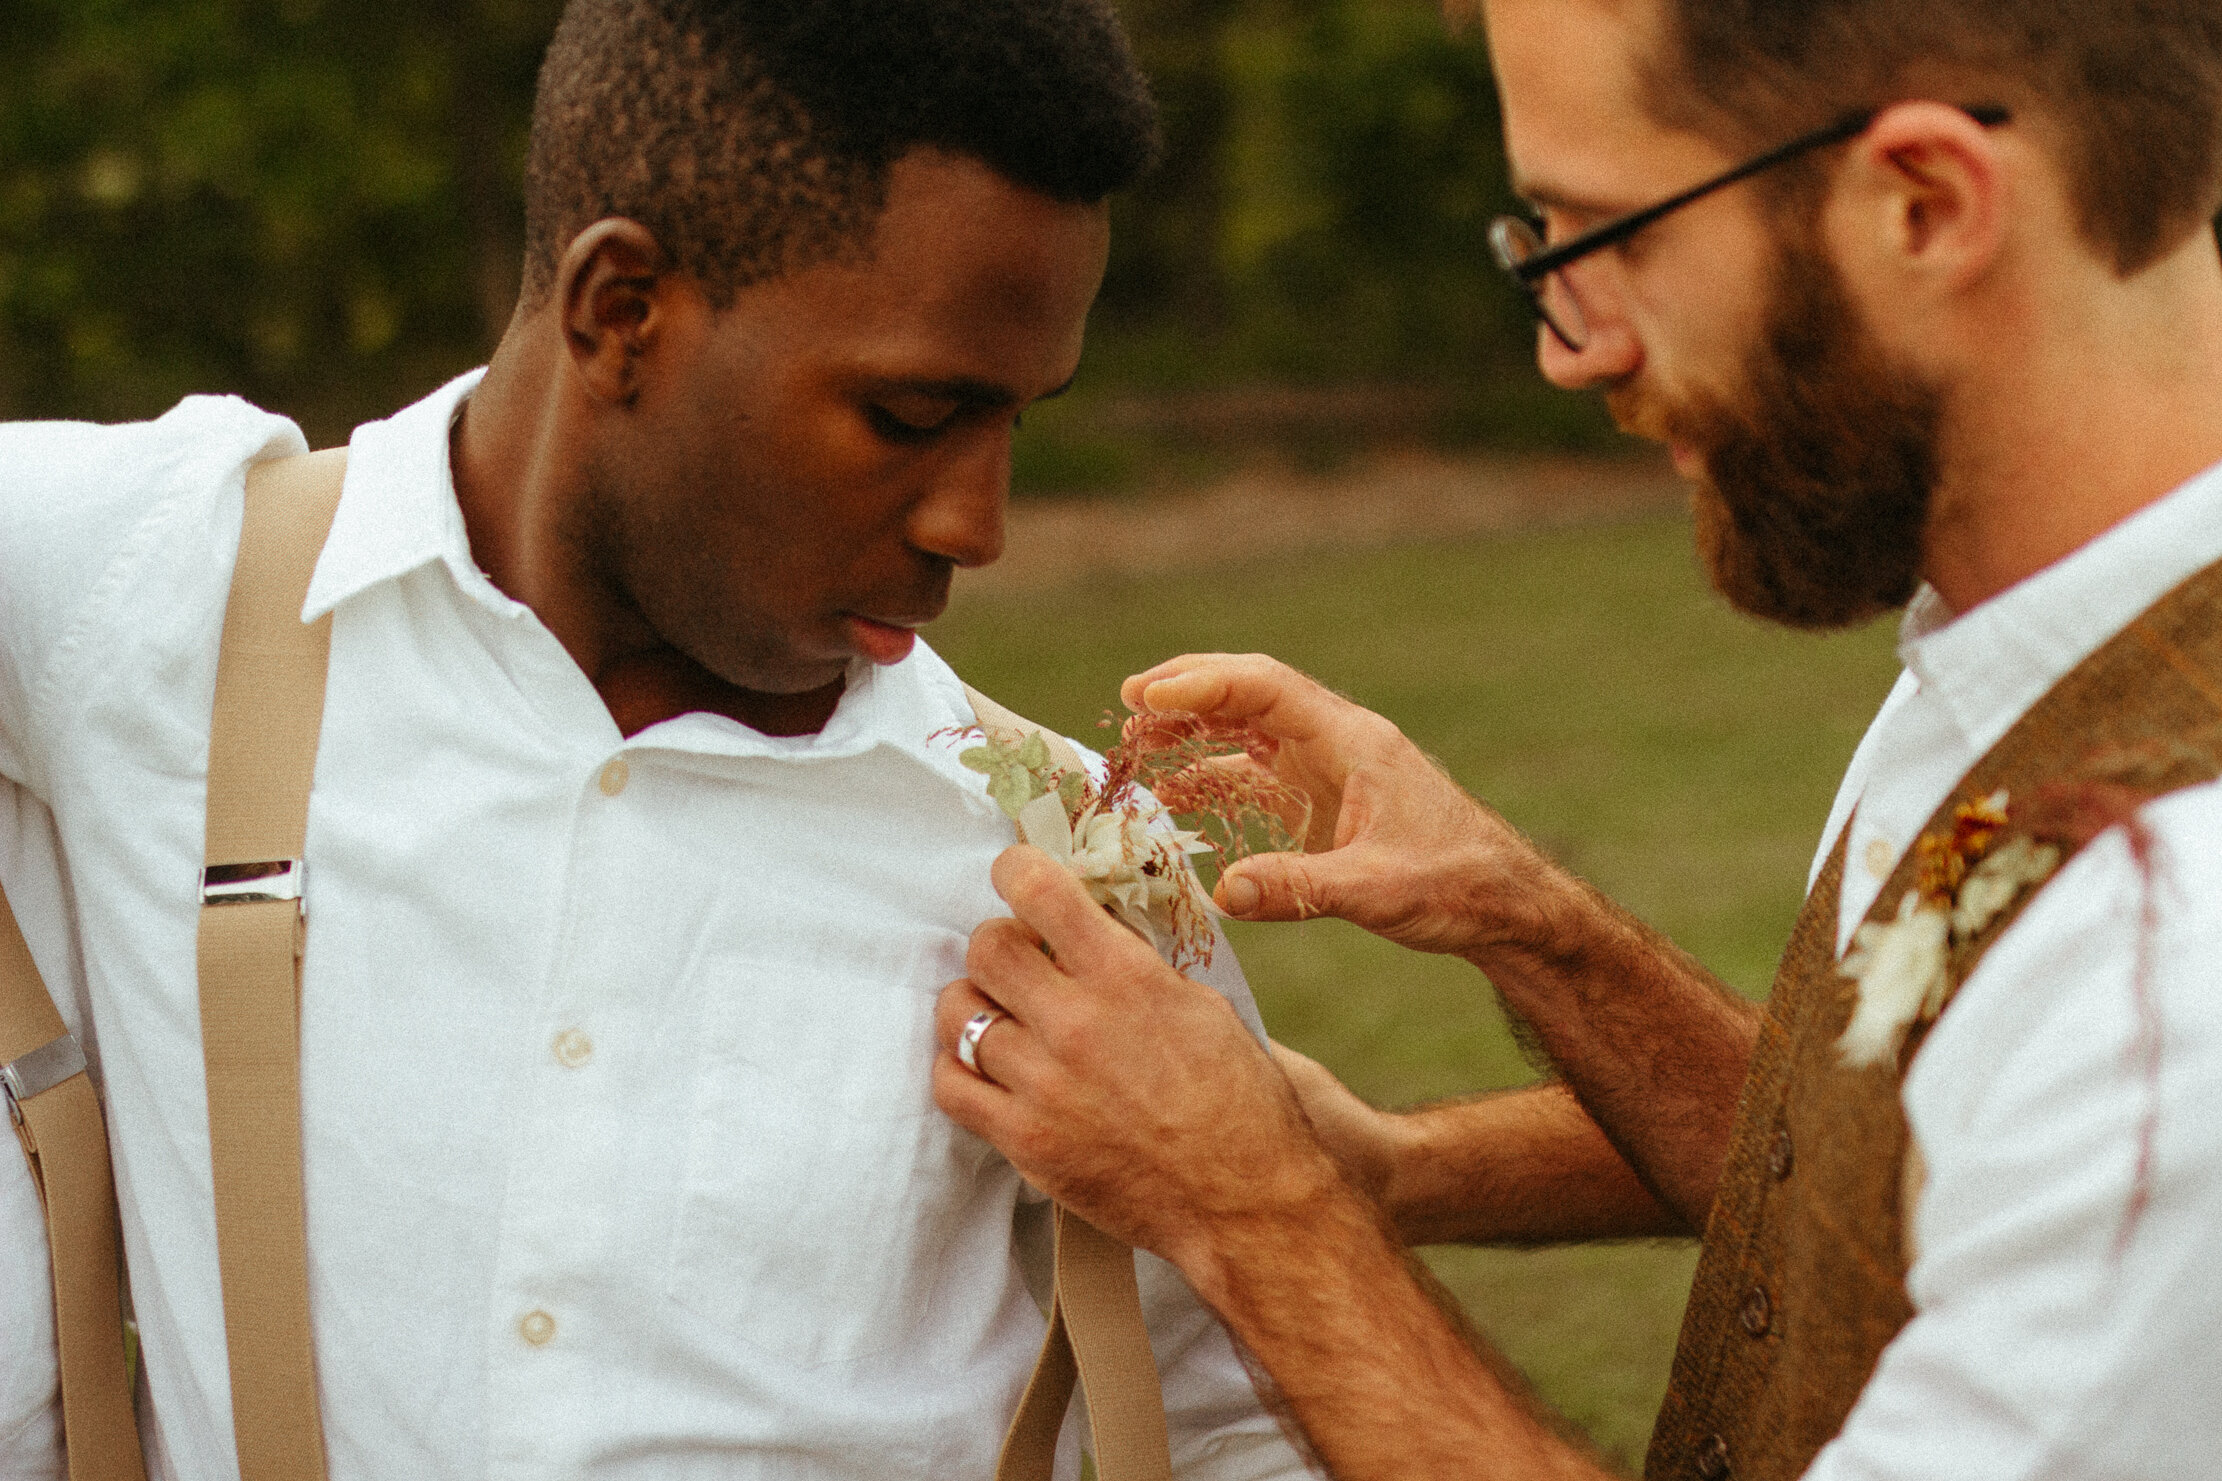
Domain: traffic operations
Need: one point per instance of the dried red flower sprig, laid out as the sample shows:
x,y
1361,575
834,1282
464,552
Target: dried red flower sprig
x,y
1196,769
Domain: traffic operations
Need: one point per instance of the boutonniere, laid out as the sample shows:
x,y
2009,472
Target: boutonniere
x,y
1968,875
1123,838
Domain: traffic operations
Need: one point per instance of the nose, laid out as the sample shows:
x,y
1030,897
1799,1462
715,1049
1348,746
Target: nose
x,y
961,515
1609,354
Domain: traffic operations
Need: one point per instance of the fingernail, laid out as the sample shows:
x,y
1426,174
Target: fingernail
x,y
1238,894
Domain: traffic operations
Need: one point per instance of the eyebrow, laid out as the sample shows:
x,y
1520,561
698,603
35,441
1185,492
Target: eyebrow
x,y
1538,194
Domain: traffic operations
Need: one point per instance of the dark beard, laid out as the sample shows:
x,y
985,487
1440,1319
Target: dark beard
x,y
1816,493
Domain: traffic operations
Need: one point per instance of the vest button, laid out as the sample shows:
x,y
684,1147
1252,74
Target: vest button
x,y
1780,1156
1712,1459
1757,1311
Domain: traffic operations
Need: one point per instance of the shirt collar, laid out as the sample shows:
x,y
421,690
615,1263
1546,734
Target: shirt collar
x,y
397,509
1989,666
398,513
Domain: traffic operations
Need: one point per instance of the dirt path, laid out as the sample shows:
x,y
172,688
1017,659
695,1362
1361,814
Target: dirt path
x,y
1380,499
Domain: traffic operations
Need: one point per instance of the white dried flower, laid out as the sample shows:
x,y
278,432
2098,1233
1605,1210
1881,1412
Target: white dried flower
x,y
1900,968
1132,865
2015,865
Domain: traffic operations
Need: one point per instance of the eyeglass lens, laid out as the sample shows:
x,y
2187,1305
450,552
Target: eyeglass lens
x,y
1514,241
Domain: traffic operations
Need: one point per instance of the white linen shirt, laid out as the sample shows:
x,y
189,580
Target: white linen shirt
x,y
620,1150
2056,1334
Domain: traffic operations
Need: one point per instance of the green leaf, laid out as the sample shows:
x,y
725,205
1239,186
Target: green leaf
x,y
1071,789
979,758
1034,755
1012,790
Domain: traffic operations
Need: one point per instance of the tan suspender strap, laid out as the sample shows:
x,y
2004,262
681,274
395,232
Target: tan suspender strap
x,y
1095,1317
261,758
57,1118
1096,1334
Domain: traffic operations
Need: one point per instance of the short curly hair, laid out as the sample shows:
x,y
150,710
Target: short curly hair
x,y
753,137
2126,93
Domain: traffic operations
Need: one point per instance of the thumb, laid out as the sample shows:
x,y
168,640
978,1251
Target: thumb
x,y
1286,886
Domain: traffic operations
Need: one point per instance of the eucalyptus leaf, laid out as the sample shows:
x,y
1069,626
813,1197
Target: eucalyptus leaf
x,y
1034,755
1071,789
979,758
1012,790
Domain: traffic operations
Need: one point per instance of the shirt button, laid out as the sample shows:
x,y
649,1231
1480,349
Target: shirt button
x,y
1780,1156
1712,1459
1756,1312
573,1048
537,1328
614,777
1882,857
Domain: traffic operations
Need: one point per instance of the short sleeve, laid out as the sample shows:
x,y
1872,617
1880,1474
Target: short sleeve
x,y
83,508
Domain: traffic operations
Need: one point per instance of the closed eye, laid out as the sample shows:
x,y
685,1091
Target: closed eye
x,y
910,419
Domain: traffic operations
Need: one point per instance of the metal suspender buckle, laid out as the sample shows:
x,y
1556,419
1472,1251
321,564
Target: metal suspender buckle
x,y
248,884
38,1072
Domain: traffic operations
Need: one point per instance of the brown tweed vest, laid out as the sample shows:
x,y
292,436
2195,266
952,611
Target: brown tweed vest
x,y
1803,1278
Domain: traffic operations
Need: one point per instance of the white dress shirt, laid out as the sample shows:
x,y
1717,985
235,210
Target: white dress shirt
x,y
621,1156
2058,1333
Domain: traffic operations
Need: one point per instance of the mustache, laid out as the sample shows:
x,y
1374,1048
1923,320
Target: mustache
x,y
1639,412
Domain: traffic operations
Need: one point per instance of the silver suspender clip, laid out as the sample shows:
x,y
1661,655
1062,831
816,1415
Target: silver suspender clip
x,y
248,884
39,1071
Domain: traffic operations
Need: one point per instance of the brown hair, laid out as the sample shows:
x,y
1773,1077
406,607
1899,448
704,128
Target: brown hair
x,y
2126,94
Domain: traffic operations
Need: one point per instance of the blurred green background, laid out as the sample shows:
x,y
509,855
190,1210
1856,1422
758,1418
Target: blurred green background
x,y
315,203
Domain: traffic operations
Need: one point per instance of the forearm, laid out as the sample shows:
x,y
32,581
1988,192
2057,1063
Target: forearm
x,y
1653,1046
1523,1167
1306,1293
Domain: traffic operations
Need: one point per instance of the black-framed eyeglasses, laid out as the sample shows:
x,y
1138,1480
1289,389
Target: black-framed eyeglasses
x,y
1534,264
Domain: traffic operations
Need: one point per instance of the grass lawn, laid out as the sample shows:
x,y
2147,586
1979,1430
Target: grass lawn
x,y
1588,685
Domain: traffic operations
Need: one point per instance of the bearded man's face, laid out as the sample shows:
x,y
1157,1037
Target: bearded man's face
x,y
1818,467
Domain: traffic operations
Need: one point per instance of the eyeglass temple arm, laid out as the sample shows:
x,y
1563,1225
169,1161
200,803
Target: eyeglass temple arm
x,y
1851,126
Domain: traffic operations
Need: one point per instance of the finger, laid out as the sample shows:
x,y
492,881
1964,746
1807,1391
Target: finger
x,y
1266,887
1130,691
979,1105
1005,961
1077,930
1014,1054
958,1004
1315,1085
1295,1064
1250,689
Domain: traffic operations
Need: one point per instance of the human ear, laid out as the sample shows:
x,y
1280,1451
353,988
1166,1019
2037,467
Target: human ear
x,y
612,284
1926,186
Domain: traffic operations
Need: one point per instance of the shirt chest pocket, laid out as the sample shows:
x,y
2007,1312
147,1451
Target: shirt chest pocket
x,y
820,1180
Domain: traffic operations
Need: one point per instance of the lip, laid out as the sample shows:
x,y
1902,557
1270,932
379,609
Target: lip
x,y
881,640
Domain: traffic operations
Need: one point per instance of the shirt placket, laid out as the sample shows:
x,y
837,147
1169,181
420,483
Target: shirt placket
x,y
563,1229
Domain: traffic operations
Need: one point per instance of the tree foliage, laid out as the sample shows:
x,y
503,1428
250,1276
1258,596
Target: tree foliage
x,y
310,202
315,203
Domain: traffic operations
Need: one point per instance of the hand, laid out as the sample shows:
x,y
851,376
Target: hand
x,y
1129,1093
1362,1140
1395,845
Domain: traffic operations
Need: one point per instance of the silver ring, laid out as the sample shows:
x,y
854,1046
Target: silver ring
x,y
968,1042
